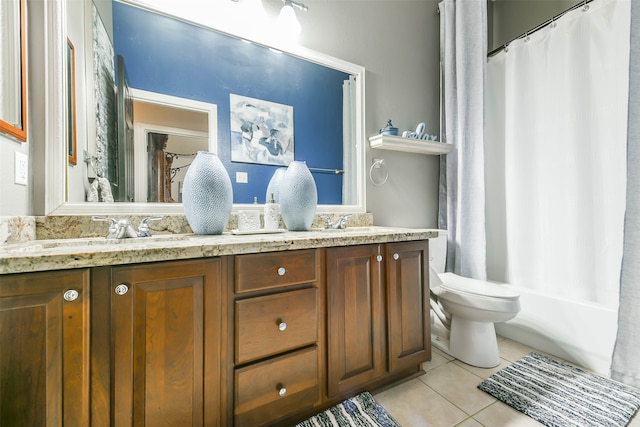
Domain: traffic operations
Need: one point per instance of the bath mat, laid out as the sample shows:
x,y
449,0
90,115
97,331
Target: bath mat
x,y
359,411
555,393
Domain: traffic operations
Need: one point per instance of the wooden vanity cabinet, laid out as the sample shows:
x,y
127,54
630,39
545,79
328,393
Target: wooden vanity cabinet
x,y
408,306
44,351
356,336
377,314
168,329
263,339
278,350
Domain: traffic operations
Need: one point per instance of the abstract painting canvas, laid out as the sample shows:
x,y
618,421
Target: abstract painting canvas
x,y
261,131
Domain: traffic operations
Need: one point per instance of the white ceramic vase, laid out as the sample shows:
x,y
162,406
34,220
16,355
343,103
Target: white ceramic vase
x,y
298,197
207,195
274,185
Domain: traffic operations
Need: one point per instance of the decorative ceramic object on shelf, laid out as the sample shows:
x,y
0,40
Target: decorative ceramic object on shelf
x,y
207,195
389,129
274,185
298,197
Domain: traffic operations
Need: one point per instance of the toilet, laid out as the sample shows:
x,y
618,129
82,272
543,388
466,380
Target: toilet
x,y
463,310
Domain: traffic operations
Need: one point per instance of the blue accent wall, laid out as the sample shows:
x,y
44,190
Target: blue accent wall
x,y
172,57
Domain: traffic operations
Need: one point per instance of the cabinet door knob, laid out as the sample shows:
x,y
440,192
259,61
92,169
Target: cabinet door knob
x,y
379,258
282,271
122,289
71,295
396,256
281,325
282,390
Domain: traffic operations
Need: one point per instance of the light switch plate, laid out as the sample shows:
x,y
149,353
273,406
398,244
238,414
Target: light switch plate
x,y
242,177
21,168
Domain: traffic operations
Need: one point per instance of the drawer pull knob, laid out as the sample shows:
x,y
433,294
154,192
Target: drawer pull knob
x,y
282,271
396,256
71,295
122,289
282,390
282,325
379,258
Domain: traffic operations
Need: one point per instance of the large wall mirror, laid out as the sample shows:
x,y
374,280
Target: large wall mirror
x,y
163,87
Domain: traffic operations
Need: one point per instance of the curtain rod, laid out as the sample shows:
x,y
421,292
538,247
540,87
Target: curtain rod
x,y
583,4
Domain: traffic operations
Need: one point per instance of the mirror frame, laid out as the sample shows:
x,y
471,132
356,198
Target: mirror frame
x,y
20,133
55,180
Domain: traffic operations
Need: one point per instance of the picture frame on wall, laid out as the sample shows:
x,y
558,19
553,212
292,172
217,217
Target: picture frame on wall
x,y
71,105
13,78
261,131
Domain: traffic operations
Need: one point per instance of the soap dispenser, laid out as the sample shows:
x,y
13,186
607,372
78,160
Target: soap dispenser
x,y
271,214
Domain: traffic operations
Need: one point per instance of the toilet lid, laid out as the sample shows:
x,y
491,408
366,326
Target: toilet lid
x,y
461,284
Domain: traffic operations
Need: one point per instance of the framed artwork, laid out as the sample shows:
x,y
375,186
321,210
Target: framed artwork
x,y
71,105
13,73
261,131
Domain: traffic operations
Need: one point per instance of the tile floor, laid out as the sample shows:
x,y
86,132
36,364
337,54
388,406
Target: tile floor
x,y
447,395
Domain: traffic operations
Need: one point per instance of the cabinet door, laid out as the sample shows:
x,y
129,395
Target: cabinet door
x,y
355,317
44,351
408,304
167,333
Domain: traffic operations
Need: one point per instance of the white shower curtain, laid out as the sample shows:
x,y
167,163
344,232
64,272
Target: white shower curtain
x,y
625,364
463,52
350,166
556,155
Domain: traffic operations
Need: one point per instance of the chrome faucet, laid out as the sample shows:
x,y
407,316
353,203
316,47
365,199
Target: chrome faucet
x,y
143,229
340,224
123,229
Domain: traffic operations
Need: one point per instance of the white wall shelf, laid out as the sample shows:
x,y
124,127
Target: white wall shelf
x,y
409,145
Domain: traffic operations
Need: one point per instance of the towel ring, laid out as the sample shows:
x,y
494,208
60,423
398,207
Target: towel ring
x,y
378,164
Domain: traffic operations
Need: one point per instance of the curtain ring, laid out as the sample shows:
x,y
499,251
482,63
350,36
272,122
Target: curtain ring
x,y
553,23
586,6
378,164
526,37
506,47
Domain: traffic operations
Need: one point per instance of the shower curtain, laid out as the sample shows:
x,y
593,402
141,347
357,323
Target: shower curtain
x,y
463,52
556,155
350,165
625,365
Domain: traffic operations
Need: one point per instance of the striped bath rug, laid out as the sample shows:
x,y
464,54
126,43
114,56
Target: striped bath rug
x,y
558,394
359,411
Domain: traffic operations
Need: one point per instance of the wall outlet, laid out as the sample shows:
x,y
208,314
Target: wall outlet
x,y
242,177
21,169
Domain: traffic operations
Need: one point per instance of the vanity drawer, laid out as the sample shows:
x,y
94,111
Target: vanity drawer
x,y
272,324
270,270
270,389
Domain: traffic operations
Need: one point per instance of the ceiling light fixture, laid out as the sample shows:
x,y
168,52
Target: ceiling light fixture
x,y
300,6
288,19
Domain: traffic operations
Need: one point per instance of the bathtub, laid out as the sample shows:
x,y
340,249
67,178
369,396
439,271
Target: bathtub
x,y
582,333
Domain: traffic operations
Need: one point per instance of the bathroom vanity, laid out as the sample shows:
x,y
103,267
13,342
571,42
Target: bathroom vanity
x,y
209,330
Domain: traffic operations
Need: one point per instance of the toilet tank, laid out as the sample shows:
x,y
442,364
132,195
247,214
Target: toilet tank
x,y
438,251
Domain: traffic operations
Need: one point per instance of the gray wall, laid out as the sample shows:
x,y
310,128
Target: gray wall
x,y
398,44
14,199
511,18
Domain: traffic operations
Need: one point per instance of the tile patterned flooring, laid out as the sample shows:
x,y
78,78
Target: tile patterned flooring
x,y
447,395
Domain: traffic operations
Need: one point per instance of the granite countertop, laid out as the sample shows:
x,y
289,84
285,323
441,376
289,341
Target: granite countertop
x,y
59,254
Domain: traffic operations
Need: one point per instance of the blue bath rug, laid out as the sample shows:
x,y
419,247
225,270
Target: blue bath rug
x,y
555,393
359,411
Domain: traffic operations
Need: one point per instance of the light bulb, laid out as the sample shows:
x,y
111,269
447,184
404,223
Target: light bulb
x,y
288,21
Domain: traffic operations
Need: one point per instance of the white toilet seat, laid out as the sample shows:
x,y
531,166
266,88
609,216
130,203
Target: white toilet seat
x,y
476,294
477,287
